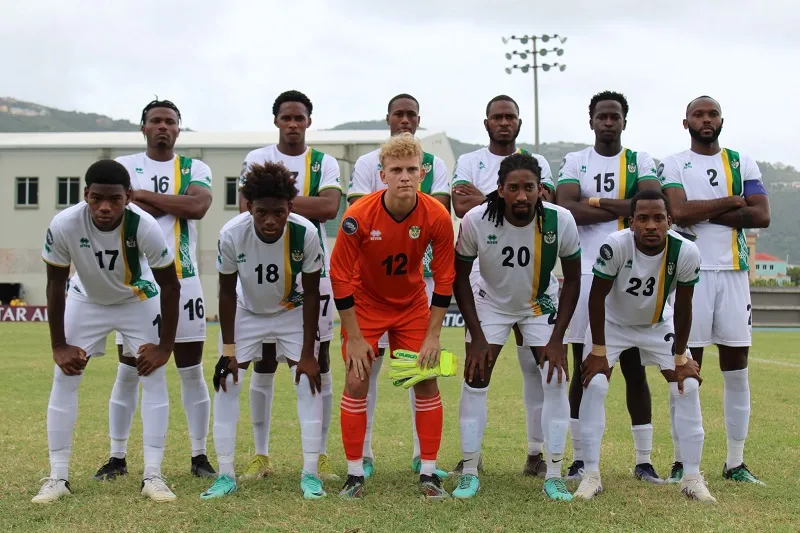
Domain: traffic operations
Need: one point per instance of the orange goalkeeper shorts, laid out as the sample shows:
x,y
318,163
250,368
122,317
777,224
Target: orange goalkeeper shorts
x,y
406,327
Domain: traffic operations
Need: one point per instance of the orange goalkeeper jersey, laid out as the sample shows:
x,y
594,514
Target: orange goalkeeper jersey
x,y
379,259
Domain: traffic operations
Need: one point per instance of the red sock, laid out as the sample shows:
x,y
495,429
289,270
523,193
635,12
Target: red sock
x,y
354,426
429,420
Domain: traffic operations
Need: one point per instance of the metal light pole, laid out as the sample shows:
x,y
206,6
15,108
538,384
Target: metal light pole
x,y
534,53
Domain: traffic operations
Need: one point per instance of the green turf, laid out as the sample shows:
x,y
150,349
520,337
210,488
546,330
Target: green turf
x,y
507,501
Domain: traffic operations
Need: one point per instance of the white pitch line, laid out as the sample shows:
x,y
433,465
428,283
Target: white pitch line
x,y
771,362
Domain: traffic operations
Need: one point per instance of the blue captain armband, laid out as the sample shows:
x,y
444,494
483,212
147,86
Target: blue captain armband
x,y
753,187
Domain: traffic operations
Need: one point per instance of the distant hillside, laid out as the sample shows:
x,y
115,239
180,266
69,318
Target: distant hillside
x,y
19,116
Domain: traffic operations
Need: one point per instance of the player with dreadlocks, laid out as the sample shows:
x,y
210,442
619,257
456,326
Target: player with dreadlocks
x,y
176,190
263,254
514,255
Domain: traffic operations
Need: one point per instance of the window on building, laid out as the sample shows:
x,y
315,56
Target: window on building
x,y
758,267
231,193
68,191
27,192
771,267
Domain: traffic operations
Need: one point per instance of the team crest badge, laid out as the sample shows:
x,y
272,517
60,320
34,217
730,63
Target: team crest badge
x,y
427,167
297,255
130,242
185,171
413,232
315,167
549,237
735,164
632,168
671,269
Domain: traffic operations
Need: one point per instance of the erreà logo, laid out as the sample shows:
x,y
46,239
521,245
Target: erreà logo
x,y
297,255
491,239
84,242
241,258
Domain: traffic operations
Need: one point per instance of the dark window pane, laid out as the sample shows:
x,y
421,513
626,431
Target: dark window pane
x,y
21,191
230,191
33,191
74,184
62,192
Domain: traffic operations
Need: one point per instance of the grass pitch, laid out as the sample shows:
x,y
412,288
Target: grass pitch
x,y
507,501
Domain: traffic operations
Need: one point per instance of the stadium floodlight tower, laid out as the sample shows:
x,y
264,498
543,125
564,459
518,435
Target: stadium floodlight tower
x,y
535,52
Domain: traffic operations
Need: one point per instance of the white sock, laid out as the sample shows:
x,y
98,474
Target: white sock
x,y
355,467
372,399
689,424
736,403
327,409
533,397
155,419
226,418
309,411
676,444
555,420
472,414
197,405
261,392
62,412
412,399
428,468
575,433
121,408
593,421
642,442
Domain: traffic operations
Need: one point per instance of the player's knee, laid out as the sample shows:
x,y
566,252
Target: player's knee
x,y
598,385
429,387
733,358
690,385
188,354
356,387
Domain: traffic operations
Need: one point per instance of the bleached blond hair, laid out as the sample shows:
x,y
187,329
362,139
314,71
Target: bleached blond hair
x,y
399,147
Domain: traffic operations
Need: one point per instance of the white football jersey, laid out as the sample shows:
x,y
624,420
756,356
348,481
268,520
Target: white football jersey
x,y
171,177
708,177
614,177
110,267
269,274
644,283
480,169
516,264
366,176
314,172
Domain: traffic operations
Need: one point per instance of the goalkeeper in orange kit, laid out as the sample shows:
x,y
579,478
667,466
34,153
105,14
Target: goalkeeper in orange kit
x,y
378,287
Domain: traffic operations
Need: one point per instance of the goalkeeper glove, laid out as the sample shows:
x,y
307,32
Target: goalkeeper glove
x,y
407,372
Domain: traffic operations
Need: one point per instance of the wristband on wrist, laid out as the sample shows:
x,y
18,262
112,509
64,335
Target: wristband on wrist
x,y
594,201
228,350
598,350
681,359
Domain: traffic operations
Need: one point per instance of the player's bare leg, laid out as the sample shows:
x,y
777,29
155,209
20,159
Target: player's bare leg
x,y
736,403
533,398
196,403
262,390
637,395
575,395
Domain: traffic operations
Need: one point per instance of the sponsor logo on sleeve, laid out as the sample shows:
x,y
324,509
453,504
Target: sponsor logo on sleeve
x,y
349,226
606,252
